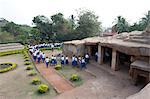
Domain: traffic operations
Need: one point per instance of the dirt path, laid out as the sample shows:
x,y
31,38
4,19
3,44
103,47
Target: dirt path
x,y
59,83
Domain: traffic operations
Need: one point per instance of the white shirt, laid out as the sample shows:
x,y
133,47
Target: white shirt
x,y
52,46
47,60
54,57
73,58
96,54
86,56
43,55
62,58
82,61
66,58
38,56
34,54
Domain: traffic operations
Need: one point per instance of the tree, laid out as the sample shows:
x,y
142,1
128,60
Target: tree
x,y
121,25
88,25
61,27
13,28
35,36
60,24
6,37
45,27
144,21
134,27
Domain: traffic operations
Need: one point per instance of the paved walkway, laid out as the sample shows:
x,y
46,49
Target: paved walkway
x,y
106,85
59,83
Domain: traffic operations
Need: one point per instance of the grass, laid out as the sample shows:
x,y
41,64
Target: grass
x,y
67,71
21,87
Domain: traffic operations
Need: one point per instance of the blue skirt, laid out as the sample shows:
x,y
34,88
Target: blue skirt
x,y
53,61
63,62
67,61
74,63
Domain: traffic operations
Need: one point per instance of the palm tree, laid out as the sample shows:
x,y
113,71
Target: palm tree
x,y
145,21
121,25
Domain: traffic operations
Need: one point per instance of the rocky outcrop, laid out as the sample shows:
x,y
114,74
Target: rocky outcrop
x,y
143,94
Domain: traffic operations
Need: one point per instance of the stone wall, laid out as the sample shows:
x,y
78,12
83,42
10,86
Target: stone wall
x,y
143,58
70,49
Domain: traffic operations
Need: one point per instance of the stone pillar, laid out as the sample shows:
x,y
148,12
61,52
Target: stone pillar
x,y
114,60
149,77
132,59
149,60
149,56
100,54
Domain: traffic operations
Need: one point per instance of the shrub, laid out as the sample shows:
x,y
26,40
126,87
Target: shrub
x,y
36,81
10,52
58,67
32,73
43,88
12,66
29,67
74,77
25,57
27,60
27,63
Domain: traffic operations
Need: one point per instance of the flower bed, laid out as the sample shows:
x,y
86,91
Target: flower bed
x,y
4,67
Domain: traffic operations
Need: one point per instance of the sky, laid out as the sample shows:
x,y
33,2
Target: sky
x,y
23,11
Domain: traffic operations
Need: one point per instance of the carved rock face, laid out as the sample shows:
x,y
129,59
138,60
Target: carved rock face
x,y
148,29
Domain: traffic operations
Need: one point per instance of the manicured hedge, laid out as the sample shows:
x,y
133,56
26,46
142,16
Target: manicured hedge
x,y
58,67
13,65
10,52
27,63
48,48
43,88
36,81
32,73
74,77
29,68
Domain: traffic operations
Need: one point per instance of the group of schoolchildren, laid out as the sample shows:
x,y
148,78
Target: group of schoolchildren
x,y
76,61
81,61
37,55
53,60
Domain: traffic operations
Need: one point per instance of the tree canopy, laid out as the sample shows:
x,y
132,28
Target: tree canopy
x,y
57,28
121,25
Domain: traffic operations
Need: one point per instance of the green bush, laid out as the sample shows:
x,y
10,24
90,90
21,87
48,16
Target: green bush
x,y
25,57
32,73
10,52
36,81
12,66
49,48
27,63
74,77
43,88
27,60
29,68
58,67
